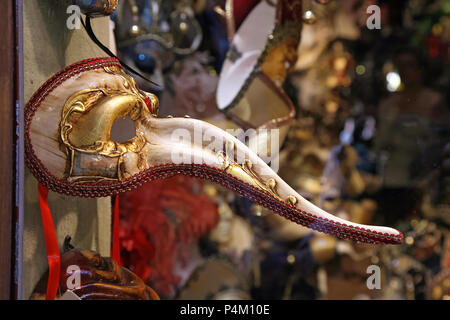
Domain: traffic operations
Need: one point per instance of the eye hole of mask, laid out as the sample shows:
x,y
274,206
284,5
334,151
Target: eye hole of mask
x,y
123,130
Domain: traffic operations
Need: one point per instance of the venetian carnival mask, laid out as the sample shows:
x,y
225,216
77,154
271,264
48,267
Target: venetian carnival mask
x,y
69,148
262,52
99,278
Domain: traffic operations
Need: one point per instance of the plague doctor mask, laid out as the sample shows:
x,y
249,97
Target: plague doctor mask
x,y
69,149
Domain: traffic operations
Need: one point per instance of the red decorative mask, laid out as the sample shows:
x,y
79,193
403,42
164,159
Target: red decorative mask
x,y
100,278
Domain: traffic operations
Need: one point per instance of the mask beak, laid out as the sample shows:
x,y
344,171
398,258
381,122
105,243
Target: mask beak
x,y
199,149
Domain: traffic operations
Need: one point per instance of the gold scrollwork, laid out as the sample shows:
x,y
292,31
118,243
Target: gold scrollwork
x,y
88,116
246,173
130,83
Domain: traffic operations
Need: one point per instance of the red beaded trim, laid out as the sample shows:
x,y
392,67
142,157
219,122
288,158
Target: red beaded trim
x,y
103,189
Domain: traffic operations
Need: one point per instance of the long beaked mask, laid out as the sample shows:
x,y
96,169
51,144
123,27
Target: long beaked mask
x,y
69,149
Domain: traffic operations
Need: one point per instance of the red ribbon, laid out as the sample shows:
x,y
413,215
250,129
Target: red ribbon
x,y
51,243
115,247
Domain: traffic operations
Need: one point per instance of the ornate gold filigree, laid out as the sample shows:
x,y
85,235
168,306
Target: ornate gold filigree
x,y
292,200
88,116
130,83
246,173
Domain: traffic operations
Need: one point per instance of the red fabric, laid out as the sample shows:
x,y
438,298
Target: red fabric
x,y
51,243
241,9
148,103
158,222
115,246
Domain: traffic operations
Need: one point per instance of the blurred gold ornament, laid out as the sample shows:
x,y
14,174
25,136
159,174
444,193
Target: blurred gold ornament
x,y
210,190
309,17
323,248
134,31
257,210
291,258
340,63
331,106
